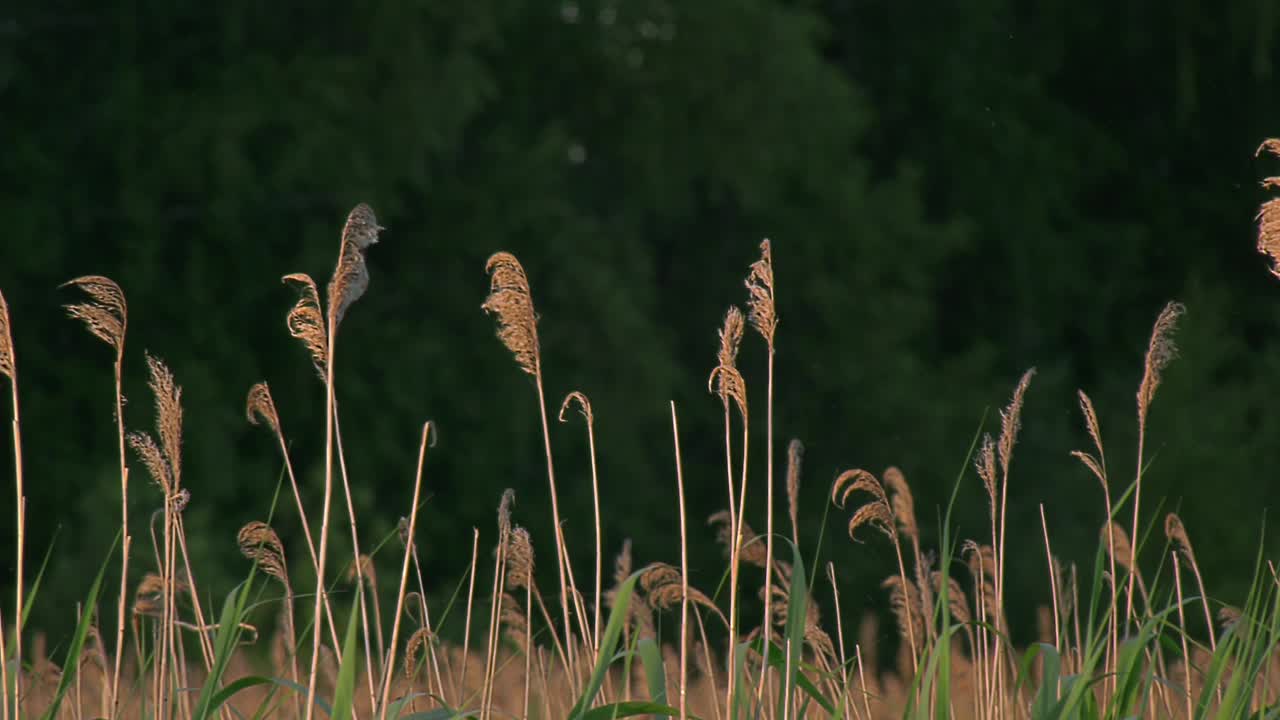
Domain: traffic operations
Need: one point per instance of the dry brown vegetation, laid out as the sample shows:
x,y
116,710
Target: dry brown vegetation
x,y
1114,642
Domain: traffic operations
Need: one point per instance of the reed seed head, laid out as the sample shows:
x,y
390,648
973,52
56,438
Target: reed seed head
x,y
260,408
512,301
366,571
584,406
985,463
1120,539
519,559
259,543
1269,214
1161,351
1091,420
904,506
1011,420
760,304
413,649
8,367
306,321
725,380
504,513
795,459
106,315
351,278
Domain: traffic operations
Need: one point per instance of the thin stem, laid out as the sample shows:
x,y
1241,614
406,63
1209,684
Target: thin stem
x,y
114,690
1053,583
767,623
324,526
359,567
1133,534
22,536
466,629
844,672
404,572
595,499
733,564
567,591
1182,622
306,529
684,572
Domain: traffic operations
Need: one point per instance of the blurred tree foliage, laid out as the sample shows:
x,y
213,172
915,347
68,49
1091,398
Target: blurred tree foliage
x,y
956,191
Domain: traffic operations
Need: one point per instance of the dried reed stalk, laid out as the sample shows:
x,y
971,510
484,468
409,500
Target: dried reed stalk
x,y
1161,351
684,571
495,610
878,514
584,405
259,543
106,316
466,624
260,408
1182,625
9,368
1177,535
1010,424
727,382
762,312
511,300
404,571
350,280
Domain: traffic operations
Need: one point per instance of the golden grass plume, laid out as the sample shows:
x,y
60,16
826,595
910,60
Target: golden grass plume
x,y
511,300
306,320
106,315
760,306
259,543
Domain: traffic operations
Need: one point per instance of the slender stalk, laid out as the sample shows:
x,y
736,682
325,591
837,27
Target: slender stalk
x,y
528,640
684,572
568,592
495,613
359,568
733,564
306,531
388,669
1133,534
4,674
767,623
324,526
595,500
844,672
114,690
862,680
22,536
466,627
1053,583
426,619
1182,623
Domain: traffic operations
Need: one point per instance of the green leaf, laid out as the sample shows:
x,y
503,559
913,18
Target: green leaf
x,y
608,646
72,664
344,693
654,674
630,708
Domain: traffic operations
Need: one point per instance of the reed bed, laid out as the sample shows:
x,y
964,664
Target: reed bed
x,y
636,639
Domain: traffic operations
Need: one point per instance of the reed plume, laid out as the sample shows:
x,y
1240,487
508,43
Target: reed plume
x,y
511,300
260,543
795,459
727,382
351,277
1010,424
306,321
878,514
1161,351
1269,214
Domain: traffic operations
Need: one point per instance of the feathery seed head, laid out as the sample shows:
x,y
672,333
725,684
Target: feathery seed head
x,y
519,559
351,277
760,304
106,314
259,543
795,458
511,300
1161,351
413,649
7,366
1011,420
1269,214
260,408
504,513
306,321
904,506
726,380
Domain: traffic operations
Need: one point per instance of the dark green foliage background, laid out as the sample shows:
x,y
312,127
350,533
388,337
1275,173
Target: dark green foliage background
x,y
956,192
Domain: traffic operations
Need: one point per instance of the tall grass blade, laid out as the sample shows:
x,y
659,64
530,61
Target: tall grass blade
x,y
72,664
608,645
344,693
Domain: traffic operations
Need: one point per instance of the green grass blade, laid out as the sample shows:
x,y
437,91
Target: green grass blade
x,y
797,610
608,645
654,673
72,664
631,708
344,693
